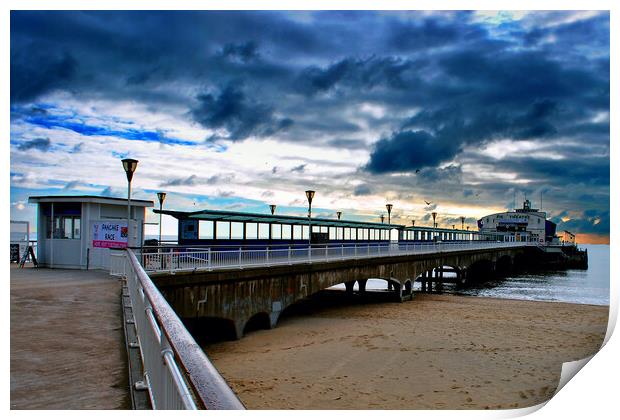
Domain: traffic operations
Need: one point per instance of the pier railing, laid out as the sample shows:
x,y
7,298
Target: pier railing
x,y
177,373
217,258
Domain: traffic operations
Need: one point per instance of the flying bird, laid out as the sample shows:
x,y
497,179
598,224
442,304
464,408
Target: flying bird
x,y
417,171
428,203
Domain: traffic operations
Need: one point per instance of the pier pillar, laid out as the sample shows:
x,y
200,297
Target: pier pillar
x,y
439,286
362,285
349,286
430,281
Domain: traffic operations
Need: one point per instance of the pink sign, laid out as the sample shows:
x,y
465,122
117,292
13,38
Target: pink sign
x,y
110,234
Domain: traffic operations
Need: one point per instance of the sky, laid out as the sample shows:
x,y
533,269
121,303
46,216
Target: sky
x,y
468,111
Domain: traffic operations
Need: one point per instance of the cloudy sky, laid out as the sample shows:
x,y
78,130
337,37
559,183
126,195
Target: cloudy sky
x,y
238,110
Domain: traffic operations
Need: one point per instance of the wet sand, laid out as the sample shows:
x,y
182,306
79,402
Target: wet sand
x,y
435,352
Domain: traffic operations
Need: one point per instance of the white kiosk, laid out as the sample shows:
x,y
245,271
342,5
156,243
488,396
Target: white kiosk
x,y
78,231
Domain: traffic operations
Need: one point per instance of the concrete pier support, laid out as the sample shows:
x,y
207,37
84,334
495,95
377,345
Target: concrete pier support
x,y
362,285
349,287
439,285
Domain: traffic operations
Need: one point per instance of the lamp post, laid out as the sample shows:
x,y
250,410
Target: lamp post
x,y
462,222
389,210
434,225
412,222
339,214
382,218
309,196
129,165
161,196
272,207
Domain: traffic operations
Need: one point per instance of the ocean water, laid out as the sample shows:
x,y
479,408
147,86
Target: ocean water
x,y
589,286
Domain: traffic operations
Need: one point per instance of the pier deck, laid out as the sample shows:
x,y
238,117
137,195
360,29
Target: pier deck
x,y
67,344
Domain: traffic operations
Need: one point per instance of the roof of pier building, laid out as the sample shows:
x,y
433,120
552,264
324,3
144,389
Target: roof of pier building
x,y
233,216
88,199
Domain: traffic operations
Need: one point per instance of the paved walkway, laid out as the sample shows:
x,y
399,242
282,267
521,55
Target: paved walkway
x,y
67,343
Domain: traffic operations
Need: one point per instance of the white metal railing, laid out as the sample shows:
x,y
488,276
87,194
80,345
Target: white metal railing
x,y
214,258
168,349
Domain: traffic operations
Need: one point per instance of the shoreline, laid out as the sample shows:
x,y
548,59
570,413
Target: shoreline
x,y
434,352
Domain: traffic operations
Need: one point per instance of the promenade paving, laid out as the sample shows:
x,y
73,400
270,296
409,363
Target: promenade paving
x,y
67,343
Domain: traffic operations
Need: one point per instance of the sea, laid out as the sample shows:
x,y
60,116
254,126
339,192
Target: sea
x,y
589,286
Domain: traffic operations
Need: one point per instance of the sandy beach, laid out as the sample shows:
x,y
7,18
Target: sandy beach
x,y
435,352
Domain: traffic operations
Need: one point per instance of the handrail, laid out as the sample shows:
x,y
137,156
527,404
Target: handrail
x,y
195,370
214,258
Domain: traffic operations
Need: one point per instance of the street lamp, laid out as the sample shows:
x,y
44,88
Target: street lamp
x,y
434,225
339,214
412,222
272,207
462,222
161,196
309,196
382,218
129,165
389,209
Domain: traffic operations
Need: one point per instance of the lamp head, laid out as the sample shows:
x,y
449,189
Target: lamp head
x,y
413,222
382,218
129,165
339,214
434,215
310,196
161,196
273,208
389,208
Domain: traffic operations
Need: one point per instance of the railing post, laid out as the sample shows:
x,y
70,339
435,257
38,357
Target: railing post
x,y
342,251
239,257
209,259
170,262
289,255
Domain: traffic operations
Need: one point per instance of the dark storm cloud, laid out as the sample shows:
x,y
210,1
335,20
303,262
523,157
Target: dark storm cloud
x,y
38,144
242,117
244,52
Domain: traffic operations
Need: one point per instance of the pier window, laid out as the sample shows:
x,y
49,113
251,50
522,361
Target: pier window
x,y
304,232
222,230
64,227
276,231
353,234
297,232
347,234
286,231
236,230
332,233
205,229
251,231
263,231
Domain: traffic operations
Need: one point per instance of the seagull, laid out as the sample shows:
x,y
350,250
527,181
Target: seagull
x,y
428,203
417,171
